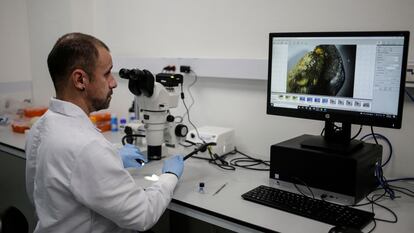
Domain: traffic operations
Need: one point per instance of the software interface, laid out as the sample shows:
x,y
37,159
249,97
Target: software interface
x,y
357,74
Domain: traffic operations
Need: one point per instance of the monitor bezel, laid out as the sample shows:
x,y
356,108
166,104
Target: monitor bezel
x,y
341,116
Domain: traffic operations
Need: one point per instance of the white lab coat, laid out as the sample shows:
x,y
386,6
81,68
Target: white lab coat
x,y
76,180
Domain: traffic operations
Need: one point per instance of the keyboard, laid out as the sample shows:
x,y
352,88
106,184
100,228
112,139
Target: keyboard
x,y
323,211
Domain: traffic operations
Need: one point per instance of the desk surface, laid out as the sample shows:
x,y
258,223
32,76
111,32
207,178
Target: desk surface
x,y
229,205
227,208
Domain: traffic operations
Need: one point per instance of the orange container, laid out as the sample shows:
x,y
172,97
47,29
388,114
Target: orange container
x,y
104,126
19,126
34,111
100,116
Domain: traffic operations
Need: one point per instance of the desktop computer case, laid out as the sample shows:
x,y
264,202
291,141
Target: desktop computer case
x,y
342,178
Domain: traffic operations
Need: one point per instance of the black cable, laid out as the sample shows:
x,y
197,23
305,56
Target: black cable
x,y
369,202
357,134
201,148
219,161
246,162
378,169
380,136
409,95
303,183
390,211
249,162
383,181
375,202
409,192
376,197
400,179
373,135
188,114
373,228
189,92
299,190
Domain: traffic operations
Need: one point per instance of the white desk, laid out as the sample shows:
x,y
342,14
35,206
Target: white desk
x,y
227,209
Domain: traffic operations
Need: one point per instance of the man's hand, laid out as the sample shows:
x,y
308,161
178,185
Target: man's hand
x,y
174,165
130,154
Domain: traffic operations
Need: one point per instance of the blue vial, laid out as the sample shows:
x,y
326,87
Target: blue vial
x,y
114,123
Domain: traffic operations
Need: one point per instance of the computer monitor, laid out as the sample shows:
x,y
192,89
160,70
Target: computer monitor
x,y
338,77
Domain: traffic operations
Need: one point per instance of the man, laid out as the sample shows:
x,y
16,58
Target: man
x,y
74,176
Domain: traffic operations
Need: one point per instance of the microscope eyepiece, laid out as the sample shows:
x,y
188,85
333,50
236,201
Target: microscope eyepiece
x,y
140,81
123,73
132,74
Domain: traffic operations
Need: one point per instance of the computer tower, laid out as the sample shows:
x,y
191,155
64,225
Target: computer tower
x,y
344,178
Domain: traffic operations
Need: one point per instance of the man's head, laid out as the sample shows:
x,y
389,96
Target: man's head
x,y
80,66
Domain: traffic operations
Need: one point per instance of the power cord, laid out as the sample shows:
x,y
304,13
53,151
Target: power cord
x,y
389,191
380,136
357,134
189,92
249,162
401,179
303,183
216,159
382,180
188,113
373,228
372,202
406,191
409,95
246,162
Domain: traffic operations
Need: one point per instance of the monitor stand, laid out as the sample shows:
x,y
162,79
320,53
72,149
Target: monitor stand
x,y
336,139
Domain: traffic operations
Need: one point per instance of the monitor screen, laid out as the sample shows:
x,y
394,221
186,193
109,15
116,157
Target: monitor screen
x,y
352,77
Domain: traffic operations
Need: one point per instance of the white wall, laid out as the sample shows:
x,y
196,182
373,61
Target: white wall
x,y
218,29
48,20
15,72
234,28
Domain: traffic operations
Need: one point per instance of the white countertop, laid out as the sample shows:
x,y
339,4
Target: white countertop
x,y
8,137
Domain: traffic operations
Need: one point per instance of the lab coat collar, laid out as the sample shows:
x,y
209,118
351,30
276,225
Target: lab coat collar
x,y
68,109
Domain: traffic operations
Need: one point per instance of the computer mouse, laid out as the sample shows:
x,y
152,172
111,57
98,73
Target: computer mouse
x,y
343,229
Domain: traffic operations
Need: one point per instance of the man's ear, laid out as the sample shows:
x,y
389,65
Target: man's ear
x,y
79,79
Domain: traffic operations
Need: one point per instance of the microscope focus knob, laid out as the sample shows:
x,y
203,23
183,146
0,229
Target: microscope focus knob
x,y
181,130
170,118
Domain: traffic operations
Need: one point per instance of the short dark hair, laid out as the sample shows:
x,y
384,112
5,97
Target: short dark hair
x,y
73,51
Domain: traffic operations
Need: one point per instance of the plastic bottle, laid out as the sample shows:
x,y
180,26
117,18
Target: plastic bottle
x,y
114,123
122,123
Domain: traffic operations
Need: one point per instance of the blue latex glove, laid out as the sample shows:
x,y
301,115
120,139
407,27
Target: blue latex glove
x,y
174,165
130,154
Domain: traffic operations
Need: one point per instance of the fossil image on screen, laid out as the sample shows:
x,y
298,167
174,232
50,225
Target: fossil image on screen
x,y
325,70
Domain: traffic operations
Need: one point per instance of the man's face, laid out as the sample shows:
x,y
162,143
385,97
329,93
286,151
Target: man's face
x,y
102,82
